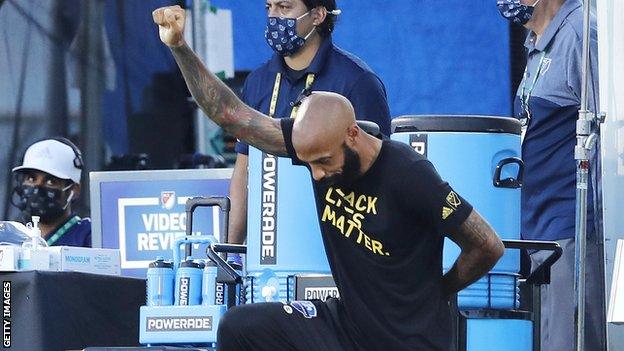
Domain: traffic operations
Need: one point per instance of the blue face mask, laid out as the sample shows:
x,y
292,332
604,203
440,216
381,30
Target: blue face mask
x,y
515,11
281,35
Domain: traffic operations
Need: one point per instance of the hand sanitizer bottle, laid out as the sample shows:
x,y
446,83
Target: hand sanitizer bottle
x,y
25,258
34,254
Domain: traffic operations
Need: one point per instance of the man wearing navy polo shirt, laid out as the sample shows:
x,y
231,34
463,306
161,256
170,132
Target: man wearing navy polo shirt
x,y
299,32
547,102
47,184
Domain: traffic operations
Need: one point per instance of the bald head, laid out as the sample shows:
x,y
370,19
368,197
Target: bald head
x,y
323,120
326,136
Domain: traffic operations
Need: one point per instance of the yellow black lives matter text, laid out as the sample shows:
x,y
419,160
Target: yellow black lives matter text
x,y
355,207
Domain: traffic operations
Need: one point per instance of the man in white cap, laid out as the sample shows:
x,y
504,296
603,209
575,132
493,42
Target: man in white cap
x,y
47,184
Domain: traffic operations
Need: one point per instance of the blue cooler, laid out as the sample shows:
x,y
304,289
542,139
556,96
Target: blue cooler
x,y
480,158
283,233
493,330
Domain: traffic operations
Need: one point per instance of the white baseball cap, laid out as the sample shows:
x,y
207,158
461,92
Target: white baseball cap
x,y
53,157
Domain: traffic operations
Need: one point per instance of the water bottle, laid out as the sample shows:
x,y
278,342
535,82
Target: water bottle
x,y
188,283
160,283
209,284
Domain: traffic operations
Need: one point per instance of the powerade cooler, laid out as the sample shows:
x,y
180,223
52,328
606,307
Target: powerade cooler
x,y
283,233
480,158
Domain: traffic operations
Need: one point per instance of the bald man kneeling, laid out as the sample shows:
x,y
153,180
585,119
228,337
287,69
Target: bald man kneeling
x,y
383,212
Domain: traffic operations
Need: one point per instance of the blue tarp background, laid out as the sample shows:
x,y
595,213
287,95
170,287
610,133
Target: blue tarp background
x,y
447,57
138,54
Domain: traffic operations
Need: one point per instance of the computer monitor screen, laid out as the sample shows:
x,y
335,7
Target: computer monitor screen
x,y
142,213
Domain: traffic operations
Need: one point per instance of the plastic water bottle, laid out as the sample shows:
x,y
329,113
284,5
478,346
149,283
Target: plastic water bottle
x,y
160,278
188,283
209,284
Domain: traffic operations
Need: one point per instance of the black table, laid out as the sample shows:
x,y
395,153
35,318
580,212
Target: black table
x,y
71,311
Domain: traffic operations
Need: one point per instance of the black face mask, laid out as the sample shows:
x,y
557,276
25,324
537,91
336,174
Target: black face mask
x,y
41,201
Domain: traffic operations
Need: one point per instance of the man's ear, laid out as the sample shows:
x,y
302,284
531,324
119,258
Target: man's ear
x,y
319,14
353,132
76,189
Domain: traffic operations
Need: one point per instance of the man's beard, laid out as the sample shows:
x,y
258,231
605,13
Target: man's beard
x,y
350,170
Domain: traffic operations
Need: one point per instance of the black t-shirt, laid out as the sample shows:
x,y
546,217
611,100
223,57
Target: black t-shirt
x,y
383,235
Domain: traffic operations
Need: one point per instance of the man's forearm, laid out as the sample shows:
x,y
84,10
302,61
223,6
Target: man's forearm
x,y
480,250
214,97
238,195
468,268
223,106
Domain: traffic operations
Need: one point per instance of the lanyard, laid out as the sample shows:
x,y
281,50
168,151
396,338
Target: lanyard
x,y
63,230
309,81
276,88
524,99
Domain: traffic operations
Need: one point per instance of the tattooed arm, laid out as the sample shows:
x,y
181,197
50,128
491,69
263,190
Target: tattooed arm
x,y
213,96
480,250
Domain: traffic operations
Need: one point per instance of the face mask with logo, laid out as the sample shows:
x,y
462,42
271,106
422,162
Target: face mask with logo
x,y
42,201
515,11
281,35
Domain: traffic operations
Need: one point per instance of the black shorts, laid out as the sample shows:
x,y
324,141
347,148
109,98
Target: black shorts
x,y
299,325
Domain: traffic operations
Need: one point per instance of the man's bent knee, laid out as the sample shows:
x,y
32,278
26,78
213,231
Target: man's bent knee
x,y
242,321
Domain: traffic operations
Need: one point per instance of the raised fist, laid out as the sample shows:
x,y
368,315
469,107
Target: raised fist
x,y
170,21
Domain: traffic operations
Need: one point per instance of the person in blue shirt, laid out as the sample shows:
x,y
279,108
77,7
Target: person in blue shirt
x,y
299,32
47,185
547,104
